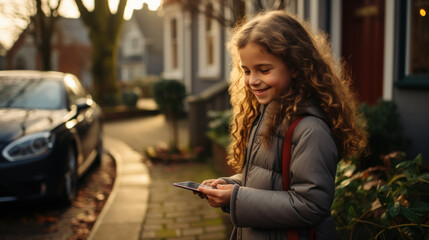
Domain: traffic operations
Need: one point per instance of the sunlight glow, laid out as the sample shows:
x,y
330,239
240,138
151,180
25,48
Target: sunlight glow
x,y
68,7
11,29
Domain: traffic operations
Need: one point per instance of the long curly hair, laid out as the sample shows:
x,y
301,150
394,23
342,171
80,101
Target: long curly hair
x,y
317,76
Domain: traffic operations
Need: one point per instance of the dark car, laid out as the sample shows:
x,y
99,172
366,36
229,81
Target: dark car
x,y
50,134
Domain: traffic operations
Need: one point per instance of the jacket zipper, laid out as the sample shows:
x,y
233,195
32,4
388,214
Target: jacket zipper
x,y
249,151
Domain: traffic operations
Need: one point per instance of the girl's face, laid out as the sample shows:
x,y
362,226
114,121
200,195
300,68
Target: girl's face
x,y
266,75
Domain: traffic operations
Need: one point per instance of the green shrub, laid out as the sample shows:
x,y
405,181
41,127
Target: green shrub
x,y
130,98
218,127
170,95
385,132
389,201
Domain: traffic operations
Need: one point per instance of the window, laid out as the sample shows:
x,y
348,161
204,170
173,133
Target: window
x,y
209,43
135,43
174,44
209,35
413,42
418,39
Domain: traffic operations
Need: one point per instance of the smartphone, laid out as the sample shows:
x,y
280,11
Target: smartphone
x,y
190,185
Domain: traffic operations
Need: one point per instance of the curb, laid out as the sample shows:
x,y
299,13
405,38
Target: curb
x,y
126,207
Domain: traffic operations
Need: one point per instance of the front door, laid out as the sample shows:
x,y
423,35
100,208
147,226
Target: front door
x,y
363,46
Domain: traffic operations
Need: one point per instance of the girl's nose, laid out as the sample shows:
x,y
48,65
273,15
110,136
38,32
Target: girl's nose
x,y
254,79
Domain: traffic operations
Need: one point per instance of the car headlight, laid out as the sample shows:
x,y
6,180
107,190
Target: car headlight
x,y
30,146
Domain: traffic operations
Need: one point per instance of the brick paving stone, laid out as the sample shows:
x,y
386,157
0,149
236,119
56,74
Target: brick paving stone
x,y
178,214
153,226
217,228
213,236
193,231
184,238
178,225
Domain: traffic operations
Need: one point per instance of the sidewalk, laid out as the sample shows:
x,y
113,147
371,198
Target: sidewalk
x,y
124,211
144,204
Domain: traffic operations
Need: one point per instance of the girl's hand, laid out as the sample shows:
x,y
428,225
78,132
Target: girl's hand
x,y
218,197
210,182
213,182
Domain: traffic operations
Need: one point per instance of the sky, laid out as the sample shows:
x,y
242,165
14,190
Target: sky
x,y
67,9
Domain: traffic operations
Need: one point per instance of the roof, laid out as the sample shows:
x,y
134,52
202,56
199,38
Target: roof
x,y
151,25
73,30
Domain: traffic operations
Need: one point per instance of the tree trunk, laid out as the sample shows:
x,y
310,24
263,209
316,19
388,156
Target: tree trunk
x,y
104,69
104,30
43,31
174,131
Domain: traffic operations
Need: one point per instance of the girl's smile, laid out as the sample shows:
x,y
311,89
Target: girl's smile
x,y
259,92
266,75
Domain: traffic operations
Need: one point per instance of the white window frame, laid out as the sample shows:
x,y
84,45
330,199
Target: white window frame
x,y
173,11
206,70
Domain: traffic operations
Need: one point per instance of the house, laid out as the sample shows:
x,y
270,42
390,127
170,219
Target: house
x,y
71,51
385,43
141,46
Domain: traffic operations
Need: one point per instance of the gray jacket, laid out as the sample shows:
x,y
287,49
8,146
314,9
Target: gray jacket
x,y
259,207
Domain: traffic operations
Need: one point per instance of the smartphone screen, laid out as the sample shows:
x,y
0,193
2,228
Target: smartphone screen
x,y
190,185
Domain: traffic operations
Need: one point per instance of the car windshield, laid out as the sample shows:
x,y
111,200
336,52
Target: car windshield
x,y
31,93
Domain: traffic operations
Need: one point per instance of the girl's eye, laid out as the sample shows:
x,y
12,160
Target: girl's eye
x,y
246,72
265,70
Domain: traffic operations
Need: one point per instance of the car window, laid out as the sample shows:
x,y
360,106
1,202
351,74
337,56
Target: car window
x,y
31,93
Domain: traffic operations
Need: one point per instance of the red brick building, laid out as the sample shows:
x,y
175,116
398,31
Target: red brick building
x,y
71,51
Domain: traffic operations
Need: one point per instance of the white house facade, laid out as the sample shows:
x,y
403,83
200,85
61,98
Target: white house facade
x,y
141,46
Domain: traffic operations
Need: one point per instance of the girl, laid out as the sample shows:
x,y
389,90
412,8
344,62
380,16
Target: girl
x,y
281,71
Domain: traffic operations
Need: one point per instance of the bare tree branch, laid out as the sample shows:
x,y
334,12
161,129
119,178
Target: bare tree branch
x,y
84,12
39,18
231,12
227,15
17,14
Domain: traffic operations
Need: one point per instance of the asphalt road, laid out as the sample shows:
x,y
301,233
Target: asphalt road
x,y
48,221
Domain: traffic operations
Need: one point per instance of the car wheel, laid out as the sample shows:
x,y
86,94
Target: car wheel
x,y
70,179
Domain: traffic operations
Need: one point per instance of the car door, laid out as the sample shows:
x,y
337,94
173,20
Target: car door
x,y
88,124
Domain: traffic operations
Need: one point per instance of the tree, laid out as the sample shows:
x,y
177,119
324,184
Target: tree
x,y
231,12
228,15
40,19
104,31
43,27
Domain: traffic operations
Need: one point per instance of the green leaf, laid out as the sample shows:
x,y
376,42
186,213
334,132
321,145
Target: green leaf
x,y
410,215
383,194
395,209
384,188
404,164
420,207
410,175
418,160
351,211
425,176
384,219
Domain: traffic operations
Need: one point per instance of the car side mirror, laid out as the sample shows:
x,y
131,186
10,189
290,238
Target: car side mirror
x,y
83,103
